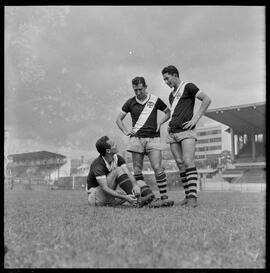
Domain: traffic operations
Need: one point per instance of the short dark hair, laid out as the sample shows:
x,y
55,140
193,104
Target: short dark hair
x,y
170,69
139,80
102,145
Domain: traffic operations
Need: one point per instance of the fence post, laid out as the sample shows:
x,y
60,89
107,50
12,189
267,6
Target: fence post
x,y
73,182
221,186
241,186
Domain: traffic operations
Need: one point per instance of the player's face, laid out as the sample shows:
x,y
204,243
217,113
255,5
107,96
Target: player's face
x,y
169,80
113,149
140,91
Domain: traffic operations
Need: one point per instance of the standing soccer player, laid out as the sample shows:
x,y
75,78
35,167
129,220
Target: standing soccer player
x,y
182,135
145,135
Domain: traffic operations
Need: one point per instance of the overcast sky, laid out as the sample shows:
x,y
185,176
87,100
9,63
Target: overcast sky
x,y
68,69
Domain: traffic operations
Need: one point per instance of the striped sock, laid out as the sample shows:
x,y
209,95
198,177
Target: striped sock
x,y
184,181
145,190
192,178
161,180
124,183
139,176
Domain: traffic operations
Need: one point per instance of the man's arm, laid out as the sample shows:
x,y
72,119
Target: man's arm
x,y
104,185
165,118
203,108
119,122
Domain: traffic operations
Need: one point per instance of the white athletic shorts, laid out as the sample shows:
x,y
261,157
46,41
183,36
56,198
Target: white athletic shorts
x,y
144,145
178,137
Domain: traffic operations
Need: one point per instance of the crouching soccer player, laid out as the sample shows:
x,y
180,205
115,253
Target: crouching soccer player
x,y
109,171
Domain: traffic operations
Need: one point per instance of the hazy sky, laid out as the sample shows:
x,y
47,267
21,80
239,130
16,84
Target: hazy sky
x,y
68,69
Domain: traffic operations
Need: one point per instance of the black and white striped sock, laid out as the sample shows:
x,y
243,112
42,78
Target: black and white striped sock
x,y
139,176
184,181
192,178
161,180
145,190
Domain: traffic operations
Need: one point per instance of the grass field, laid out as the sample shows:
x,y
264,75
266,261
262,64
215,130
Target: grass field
x,y
57,229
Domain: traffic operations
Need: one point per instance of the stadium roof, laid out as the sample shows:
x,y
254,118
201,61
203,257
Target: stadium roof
x,y
244,119
35,156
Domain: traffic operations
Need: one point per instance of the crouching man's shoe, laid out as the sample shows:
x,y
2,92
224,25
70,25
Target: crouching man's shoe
x,y
144,200
161,202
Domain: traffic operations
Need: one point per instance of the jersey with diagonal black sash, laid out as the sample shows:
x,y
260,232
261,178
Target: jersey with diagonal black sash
x,y
183,110
144,116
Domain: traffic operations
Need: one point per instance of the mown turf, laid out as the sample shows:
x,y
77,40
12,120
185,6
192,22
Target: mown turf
x,y
57,229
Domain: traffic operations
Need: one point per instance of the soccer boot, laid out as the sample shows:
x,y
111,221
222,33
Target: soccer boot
x,y
192,202
155,203
166,201
158,202
144,200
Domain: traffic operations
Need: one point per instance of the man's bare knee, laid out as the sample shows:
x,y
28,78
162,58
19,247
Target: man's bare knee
x,y
158,169
141,183
120,171
188,162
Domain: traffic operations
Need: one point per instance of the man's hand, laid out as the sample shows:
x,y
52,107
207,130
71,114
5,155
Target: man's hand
x,y
190,124
136,190
131,199
130,133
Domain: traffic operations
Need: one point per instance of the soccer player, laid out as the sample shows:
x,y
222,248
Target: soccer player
x,y
181,128
109,171
145,135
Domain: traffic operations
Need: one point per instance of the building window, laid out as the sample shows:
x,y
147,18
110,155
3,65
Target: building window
x,y
200,156
200,149
202,140
208,148
215,132
217,139
212,132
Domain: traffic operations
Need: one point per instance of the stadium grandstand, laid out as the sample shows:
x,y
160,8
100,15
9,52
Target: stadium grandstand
x,y
34,167
248,139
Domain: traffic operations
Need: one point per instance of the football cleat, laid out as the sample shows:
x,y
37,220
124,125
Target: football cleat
x,y
144,200
166,201
155,203
158,202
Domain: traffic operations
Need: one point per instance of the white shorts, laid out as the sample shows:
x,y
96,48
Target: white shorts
x,y
98,197
178,137
144,145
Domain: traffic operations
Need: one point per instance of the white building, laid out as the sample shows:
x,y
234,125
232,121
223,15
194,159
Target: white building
x,y
209,142
83,169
